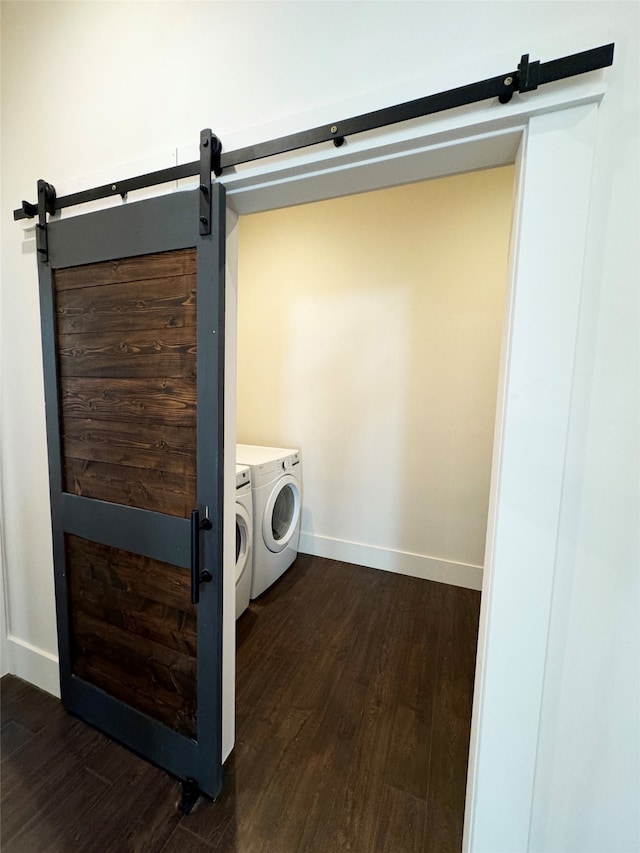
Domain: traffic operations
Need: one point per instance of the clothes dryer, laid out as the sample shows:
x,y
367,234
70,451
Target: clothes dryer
x,y
244,538
276,486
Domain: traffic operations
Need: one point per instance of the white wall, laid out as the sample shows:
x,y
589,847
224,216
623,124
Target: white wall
x,y
370,330
89,85
4,652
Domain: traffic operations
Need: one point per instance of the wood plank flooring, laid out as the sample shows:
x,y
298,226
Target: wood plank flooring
x,y
353,713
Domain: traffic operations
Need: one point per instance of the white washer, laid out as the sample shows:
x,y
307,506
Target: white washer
x,y
276,485
244,538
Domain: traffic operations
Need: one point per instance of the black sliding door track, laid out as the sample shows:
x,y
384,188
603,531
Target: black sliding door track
x,y
527,77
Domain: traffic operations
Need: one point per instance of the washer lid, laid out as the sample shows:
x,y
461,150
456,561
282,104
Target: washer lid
x,y
248,454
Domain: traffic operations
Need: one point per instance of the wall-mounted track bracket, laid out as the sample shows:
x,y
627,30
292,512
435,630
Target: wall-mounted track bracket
x,y
528,74
525,79
29,210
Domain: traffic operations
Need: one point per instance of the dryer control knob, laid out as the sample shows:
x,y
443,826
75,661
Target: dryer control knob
x,y
286,464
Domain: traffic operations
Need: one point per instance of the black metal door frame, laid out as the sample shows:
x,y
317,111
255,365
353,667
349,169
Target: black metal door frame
x,y
160,224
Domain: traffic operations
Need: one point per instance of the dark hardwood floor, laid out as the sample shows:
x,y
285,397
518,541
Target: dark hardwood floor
x,y
353,713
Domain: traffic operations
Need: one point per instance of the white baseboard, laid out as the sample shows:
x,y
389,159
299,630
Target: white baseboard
x,y
33,665
400,562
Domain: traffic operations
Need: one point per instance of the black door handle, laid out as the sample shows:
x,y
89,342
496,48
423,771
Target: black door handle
x,y
197,576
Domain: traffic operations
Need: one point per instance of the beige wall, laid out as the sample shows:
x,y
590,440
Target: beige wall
x,y
369,335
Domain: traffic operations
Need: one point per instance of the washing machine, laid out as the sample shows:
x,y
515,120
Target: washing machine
x,y
276,486
244,538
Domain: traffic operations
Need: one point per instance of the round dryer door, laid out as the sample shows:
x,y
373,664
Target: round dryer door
x,y
242,541
281,514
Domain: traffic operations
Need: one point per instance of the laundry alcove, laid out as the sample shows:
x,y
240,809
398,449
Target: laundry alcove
x,y
370,330
369,335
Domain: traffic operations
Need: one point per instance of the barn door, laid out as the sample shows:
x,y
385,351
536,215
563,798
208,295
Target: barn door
x,y
132,310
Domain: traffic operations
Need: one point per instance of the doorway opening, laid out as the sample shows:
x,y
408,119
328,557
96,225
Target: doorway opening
x,y
369,336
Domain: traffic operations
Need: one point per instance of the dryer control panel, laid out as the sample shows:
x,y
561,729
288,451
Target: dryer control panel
x,y
290,461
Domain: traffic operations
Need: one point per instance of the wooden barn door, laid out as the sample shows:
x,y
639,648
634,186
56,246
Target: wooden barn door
x,y
132,310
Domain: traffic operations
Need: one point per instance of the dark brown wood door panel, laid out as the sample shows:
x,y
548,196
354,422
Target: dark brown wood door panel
x,y
126,342
134,630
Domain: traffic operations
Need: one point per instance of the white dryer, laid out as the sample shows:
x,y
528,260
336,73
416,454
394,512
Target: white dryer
x,y
276,485
244,538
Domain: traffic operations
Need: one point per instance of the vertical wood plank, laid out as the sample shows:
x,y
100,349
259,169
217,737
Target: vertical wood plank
x,y
134,630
